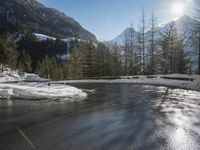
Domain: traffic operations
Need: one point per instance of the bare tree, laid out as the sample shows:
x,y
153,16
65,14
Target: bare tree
x,y
126,52
143,40
139,52
132,58
152,44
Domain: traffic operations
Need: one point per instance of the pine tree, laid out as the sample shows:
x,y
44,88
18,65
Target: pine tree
x,y
8,51
49,67
100,60
75,65
3,55
182,63
55,69
88,61
174,58
168,41
66,70
116,60
126,53
132,59
139,53
39,70
152,46
24,62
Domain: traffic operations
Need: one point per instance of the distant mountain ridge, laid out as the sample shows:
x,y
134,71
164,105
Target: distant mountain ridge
x,y
183,25
22,16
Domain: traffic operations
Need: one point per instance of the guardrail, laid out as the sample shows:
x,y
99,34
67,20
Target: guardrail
x,y
178,78
7,82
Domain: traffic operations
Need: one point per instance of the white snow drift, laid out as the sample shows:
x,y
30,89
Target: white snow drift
x,y
15,86
13,75
35,91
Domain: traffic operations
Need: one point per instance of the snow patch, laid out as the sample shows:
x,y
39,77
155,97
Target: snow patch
x,y
42,37
41,92
9,75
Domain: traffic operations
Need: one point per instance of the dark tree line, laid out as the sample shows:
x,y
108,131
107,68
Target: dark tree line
x,y
94,61
9,56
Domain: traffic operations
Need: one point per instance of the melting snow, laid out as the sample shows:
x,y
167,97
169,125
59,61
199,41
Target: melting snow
x,y
35,90
41,92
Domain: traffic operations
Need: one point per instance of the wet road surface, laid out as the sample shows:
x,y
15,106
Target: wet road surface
x,y
116,116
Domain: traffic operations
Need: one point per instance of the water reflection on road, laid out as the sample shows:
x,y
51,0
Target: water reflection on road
x,y
116,116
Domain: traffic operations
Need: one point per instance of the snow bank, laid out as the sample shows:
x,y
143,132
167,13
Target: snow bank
x,y
26,86
42,91
9,75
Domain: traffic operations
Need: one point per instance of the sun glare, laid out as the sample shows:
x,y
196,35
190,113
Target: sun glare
x,y
178,9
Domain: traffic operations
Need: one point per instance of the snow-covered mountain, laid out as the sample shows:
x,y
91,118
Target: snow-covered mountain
x,y
183,25
120,39
25,16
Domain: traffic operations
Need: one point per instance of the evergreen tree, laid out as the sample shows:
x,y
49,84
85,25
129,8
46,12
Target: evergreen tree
x,y
55,70
182,63
49,67
24,62
108,62
66,70
142,41
88,61
152,46
116,61
42,68
8,51
3,55
139,53
132,57
174,58
100,63
75,65
168,41
126,53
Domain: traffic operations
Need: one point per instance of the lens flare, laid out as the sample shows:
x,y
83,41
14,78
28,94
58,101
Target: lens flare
x,y
178,9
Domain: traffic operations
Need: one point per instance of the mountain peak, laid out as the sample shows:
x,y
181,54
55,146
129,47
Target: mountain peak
x,y
183,24
184,18
32,16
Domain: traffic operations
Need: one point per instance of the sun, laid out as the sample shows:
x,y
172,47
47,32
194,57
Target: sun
x,y
178,9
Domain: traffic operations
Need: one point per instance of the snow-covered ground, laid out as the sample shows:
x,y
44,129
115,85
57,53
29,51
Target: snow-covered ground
x,y
41,91
15,86
12,85
9,75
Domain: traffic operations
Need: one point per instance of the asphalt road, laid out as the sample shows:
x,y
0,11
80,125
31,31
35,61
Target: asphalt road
x,y
116,116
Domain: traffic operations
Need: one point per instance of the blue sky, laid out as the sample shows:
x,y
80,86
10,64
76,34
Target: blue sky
x,y
108,18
